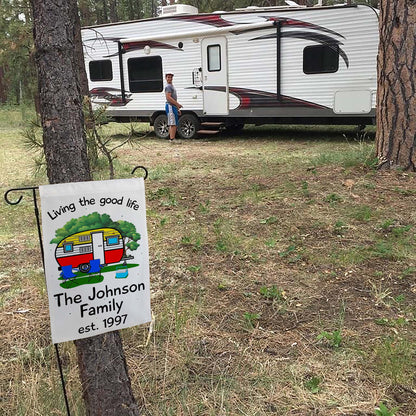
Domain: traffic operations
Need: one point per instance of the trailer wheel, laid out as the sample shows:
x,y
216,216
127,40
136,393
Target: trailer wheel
x,y
84,267
188,126
161,127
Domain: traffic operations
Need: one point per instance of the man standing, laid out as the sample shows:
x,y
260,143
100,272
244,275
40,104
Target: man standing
x,y
172,107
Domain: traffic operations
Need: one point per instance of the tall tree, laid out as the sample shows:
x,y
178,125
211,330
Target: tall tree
x,y
16,45
103,370
396,89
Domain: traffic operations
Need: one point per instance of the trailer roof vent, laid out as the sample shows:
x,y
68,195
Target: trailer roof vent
x,y
175,9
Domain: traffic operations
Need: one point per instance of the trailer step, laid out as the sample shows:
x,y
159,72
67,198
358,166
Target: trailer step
x,y
211,124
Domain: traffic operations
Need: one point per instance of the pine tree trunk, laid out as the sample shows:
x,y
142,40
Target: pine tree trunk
x,y
103,370
106,385
113,11
59,93
396,89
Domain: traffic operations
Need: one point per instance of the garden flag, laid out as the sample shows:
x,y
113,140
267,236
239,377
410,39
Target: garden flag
x,y
96,257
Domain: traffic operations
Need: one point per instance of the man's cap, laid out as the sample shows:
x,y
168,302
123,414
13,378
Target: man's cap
x,y
169,73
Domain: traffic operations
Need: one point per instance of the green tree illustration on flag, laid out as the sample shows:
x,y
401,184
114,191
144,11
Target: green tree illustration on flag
x,y
95,220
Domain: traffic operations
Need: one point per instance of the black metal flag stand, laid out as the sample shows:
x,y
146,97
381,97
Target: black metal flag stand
x,y
35,205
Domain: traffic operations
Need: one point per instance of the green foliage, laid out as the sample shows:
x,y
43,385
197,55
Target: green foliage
x,y
251,319
334,338
409,271
195,242
392,323
359,153
333,198
208,6
16,47
84,223
291,253
165,196
339,228
305,188
273,293
194,269
362,213
132,245
313,384
382,410
394,359
204,208
271,242
95,220
269,220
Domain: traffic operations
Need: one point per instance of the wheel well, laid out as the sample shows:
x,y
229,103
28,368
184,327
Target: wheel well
x,y
158,113
154,116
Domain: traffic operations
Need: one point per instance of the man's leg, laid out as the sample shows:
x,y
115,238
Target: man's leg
x,y
172,120
172,132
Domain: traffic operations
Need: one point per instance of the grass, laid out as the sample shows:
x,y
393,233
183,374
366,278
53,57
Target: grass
x,y
282,278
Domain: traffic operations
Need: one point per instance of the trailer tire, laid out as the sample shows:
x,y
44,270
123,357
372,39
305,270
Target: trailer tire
x,y
161,127
188,126
84,267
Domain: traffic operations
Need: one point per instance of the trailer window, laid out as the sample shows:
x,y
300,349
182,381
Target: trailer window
x,y
145,74
111,241
68,248
214,58
84,238
319,59
101,70
83,250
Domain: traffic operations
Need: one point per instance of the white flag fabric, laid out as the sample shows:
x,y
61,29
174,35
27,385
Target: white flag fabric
x,y
96,256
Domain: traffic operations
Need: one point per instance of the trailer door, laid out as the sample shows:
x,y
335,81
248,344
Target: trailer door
x,y
98,246
215,75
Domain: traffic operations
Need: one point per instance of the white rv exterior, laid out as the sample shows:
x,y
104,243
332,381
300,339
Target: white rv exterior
x,y
313,65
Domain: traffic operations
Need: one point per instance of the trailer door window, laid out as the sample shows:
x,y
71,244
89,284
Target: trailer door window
x,y
319,59
214,58
145,74
101,70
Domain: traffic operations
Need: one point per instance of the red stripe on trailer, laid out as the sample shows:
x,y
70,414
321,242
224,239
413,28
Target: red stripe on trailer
x,y
74,261
113,256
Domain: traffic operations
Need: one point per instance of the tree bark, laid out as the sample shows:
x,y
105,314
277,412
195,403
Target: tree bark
x,y
59,93
103,370
106,390
396,89
3,93
113,11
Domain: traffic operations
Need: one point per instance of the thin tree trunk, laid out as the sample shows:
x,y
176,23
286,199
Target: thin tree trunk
x,y
3,93
103,370
105,13
113,11
396,90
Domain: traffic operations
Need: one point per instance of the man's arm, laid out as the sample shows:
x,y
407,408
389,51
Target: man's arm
x,y
171,100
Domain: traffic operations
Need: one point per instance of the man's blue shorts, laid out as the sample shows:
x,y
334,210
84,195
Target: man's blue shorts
x,y
172,114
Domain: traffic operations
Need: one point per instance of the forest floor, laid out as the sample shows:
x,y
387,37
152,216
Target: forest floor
x,y
283,279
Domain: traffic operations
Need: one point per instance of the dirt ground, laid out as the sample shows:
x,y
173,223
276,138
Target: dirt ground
x,y
283,281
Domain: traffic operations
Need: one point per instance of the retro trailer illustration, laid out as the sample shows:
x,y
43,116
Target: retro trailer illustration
x,y
85,249
92,252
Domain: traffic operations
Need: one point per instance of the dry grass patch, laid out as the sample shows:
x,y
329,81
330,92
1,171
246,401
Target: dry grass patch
x,y
283,282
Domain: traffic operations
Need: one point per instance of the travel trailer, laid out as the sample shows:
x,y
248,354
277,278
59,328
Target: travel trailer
x,y
79,250
272,65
